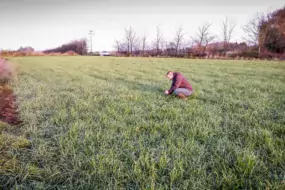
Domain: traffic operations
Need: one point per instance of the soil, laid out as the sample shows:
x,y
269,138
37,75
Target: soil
x,y
8,107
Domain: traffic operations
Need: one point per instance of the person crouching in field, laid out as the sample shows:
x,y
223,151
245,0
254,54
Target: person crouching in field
x,y
180,86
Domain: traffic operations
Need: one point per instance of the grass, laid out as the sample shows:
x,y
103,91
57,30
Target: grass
x,y
104,123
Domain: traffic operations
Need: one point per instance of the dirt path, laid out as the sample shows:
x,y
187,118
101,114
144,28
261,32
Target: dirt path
x,y
8,108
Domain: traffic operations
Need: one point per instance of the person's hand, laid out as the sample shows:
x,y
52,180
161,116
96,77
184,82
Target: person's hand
x,y
166,92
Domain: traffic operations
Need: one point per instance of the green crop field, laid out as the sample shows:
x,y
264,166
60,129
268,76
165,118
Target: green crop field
x,y
105,123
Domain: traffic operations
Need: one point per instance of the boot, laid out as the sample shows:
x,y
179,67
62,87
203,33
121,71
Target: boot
x,y
182,96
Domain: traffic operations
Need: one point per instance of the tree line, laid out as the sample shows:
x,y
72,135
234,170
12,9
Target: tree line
x,y
264,37
77,46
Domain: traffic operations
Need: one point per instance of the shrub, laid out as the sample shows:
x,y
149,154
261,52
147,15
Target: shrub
x,y
70,53
6,71
6,53
54,54
246,55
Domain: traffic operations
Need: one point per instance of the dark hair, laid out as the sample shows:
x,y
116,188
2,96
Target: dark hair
x,y
169,72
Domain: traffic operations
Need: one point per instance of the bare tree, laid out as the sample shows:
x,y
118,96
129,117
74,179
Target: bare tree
x,y
91,33
158,40
131,39
228,29
163,45
117,45
178,39
256,30
252,29
137,47
203,38
144,38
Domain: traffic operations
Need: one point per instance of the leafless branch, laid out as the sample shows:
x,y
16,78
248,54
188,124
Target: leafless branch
x,y
228,29
158,40
252,29
178,39
144,38
131,39
203,37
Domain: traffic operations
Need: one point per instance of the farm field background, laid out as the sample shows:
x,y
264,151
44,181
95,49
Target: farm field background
x,y
104,122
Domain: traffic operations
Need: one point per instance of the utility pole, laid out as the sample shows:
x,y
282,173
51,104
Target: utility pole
x,y
90,34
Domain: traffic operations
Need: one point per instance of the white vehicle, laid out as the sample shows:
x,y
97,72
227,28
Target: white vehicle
x,y
104,53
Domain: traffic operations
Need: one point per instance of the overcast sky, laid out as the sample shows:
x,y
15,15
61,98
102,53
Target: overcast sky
x,y
46,24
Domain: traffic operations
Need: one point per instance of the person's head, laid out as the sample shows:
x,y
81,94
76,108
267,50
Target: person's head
x,y
170,75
